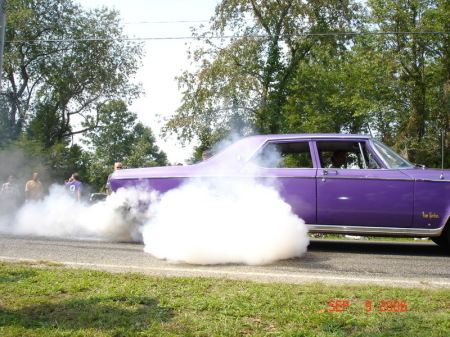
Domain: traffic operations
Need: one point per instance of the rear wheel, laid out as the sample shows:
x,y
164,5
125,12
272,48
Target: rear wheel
x,y
444,239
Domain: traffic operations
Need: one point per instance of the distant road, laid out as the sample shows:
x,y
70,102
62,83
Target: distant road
x,y
416,264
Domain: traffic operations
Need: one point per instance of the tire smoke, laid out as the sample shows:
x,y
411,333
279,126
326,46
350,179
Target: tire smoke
x,y
201,222
224,221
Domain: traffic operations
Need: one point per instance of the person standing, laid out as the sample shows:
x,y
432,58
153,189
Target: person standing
x,y
9,194
74,187
117,166
34,190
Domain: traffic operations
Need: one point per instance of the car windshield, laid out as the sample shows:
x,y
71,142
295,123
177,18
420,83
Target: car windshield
x,y
389,157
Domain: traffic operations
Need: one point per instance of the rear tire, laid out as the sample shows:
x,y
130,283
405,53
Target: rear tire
x,y
444,239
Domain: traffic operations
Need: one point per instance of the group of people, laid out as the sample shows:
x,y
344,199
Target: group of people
x,y
10,194
34,190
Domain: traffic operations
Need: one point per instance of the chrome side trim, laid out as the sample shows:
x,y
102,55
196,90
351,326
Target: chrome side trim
x,y
382,231
432,180
148,177
361,178
287,176
207,177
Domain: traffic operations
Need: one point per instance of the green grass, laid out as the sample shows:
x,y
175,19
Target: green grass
x,y
44,299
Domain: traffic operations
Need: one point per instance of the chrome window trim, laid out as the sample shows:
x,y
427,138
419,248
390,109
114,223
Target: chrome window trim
x,y
306,137
373,143
361,151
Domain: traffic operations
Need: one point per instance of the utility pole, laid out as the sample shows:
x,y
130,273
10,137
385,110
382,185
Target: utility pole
x,y
2,36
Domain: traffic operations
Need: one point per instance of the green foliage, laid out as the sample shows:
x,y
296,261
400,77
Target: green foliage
x,y
22,158
60,62
268,73
144,152
61,65
116,136
418,72
7,132
250,75
63,160
329,95
265,67
47,127
110,134
54,164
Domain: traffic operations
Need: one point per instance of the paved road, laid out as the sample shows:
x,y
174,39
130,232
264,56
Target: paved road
x,y
416,264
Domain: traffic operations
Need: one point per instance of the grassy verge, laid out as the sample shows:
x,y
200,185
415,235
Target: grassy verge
x,y
51,300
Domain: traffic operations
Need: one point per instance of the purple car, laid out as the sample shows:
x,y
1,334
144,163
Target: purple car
x,y
340,184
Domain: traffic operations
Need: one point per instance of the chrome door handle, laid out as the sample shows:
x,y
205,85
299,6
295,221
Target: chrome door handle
x,y
327,172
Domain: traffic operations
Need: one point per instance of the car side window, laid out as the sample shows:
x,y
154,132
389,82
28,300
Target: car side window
x,y
285,155
346,155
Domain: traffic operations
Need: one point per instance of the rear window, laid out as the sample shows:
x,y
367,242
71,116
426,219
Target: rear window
x,y
284,155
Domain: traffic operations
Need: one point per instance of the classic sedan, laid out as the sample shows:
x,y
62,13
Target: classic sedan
x,y
340,184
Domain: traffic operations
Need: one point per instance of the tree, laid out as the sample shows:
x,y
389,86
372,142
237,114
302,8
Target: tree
x,y
118,138
61,62
62,160
145,153
249,73
55,164
47,127
332,92
418,65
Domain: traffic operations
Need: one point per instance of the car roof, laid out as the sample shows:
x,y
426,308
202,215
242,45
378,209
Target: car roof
x,y
309,136
233,155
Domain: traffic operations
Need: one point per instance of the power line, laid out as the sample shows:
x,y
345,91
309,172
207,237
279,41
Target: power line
x,y
165,22
227,37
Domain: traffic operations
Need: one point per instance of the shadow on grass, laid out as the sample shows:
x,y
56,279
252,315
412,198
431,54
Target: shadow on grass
x,y
102,313
14,276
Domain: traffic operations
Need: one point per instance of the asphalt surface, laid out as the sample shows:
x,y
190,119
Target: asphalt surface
x,y
416,264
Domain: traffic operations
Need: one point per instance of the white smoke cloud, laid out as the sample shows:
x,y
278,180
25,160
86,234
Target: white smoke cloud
x,y
224,221
58,215
204,221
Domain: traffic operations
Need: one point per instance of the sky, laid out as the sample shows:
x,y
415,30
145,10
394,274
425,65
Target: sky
x,y
168,22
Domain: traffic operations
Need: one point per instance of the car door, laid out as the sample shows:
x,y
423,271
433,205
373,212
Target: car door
x,y
361,193
288,165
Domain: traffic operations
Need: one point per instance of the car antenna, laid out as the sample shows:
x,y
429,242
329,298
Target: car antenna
x,y
442,166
